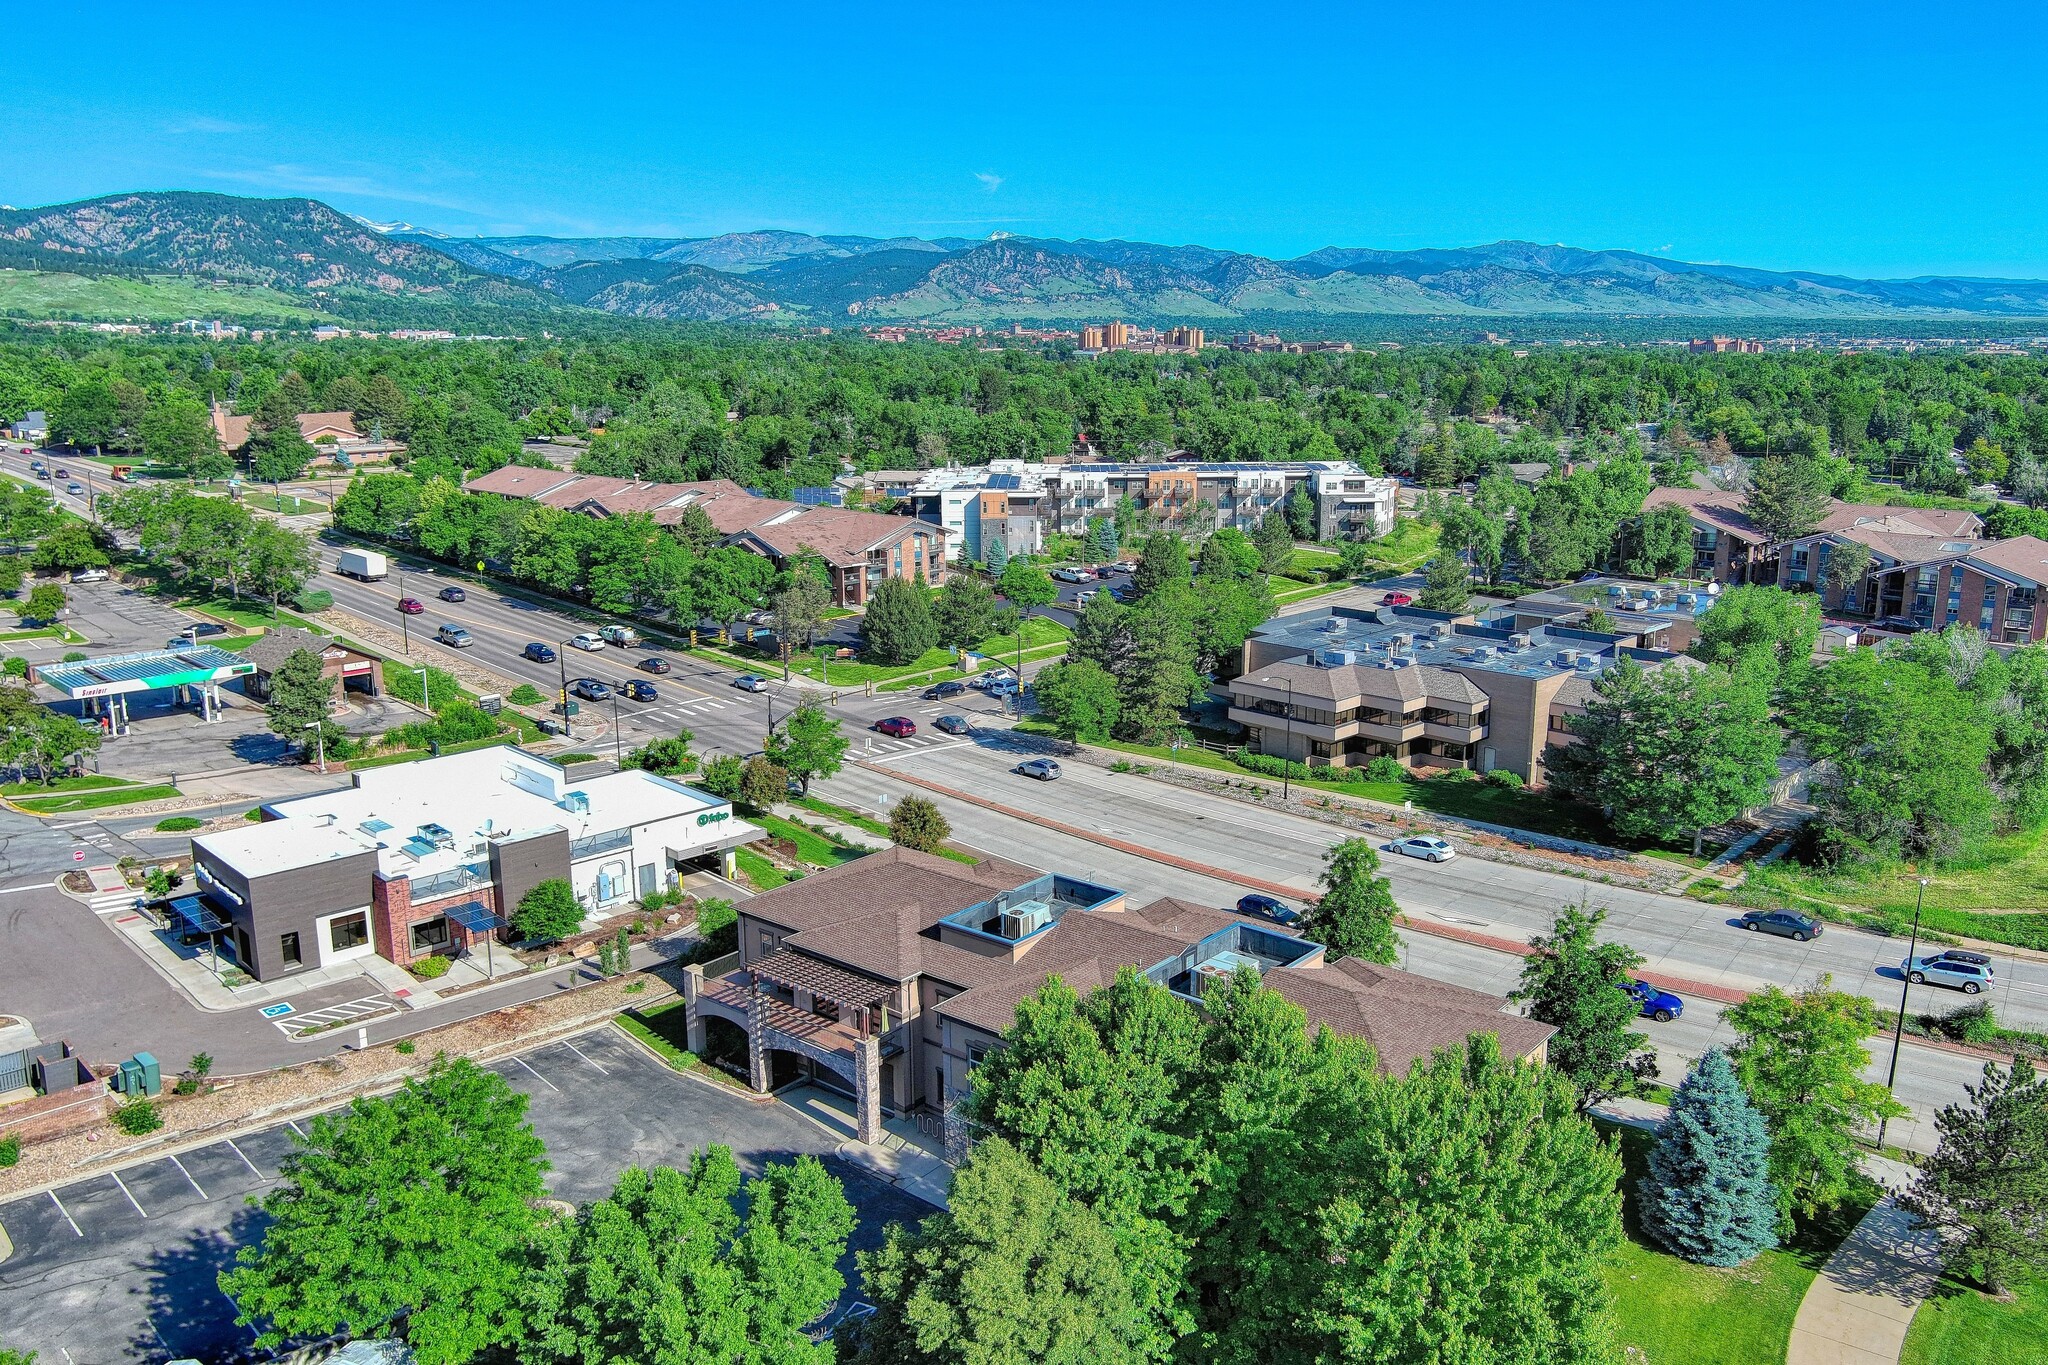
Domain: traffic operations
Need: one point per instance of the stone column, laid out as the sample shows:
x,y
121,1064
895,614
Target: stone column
x,y
757,1052
867,1089
693,986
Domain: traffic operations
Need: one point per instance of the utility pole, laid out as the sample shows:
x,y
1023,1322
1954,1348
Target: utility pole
x,y
1905,986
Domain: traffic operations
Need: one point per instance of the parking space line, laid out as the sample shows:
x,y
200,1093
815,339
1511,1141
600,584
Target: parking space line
x,y
116,1175
66,1212
537,1076
189,1180
580,1053
294,1127
245,1160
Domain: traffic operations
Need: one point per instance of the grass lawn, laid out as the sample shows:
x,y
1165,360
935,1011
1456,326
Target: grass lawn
x,y
89,782
247,613
1513,807
864,822
64,633
97,799
153,298
1303,593
811,846
764,875
1406,547
1960,1326
1678,1313
2011,876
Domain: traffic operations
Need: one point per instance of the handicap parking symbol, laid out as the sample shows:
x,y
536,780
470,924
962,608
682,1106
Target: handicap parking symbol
x,y
277,1011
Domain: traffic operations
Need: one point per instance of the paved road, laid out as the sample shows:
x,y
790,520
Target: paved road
x,y
124,1266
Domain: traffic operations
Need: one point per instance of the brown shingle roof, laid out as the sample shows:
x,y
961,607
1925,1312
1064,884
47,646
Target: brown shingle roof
x,y
1405,1017
842,535
1413,683
2022,557
280,644
519,481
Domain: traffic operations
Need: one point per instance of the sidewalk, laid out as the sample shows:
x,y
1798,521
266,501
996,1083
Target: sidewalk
x,y
1859,1307
905,1157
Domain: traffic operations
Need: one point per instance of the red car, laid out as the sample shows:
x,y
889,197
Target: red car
x,y
412,606
1398,599
898,727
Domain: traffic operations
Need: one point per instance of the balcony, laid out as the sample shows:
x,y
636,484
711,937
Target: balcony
x,y
592,845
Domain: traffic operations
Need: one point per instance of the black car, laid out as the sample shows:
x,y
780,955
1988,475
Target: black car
x,y
654,666
454,595
539,653
590,689
1106,571
941,691
1267,908
1784,923
636,690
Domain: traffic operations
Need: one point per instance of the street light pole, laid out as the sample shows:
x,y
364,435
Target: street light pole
x,y
1899,1025
320,735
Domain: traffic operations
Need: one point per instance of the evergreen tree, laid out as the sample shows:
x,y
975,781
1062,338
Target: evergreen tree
x,y
1300,509
1789,494
898,626
1160,679
1355,917
1105,537
995,556
1446,586
1708,1195
965,612
300,693
917,823
1275,541
1986,1186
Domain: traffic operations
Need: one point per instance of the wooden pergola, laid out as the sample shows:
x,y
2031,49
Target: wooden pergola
x,y
794,971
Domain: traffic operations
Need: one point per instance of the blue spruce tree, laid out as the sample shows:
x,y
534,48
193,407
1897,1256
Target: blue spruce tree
x,y
1105,538
1708,1195
995,556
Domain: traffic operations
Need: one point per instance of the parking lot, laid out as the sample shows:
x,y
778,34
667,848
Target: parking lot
x,y
122,1266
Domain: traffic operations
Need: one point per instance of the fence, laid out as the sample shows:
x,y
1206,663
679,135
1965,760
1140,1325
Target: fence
x,y
13,1071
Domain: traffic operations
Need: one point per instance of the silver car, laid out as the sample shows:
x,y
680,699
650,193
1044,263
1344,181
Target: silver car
x,y
1943,970
1425,846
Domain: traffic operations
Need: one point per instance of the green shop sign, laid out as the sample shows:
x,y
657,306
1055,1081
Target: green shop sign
x,y
712,817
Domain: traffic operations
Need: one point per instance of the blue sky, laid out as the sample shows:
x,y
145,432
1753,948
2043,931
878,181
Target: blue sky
x,y
1877,139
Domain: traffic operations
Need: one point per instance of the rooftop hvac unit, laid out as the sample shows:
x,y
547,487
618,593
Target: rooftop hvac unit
x,y
1335,658
1483,652
1333,624
1402,641
1022,921
1401,661
1568,658
1442,630
1617,590
577,803
1589,663
1518,641
1688,599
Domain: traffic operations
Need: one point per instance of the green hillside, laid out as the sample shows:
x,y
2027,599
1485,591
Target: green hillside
x,y
155,298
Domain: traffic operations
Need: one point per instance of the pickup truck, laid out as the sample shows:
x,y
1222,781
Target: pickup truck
x,y
625,637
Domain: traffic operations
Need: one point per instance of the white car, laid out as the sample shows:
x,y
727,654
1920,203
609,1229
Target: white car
x,y
89,576
589,642
1425,846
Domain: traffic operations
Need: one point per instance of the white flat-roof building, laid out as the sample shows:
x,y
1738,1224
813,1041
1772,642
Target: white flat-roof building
x,y
377,867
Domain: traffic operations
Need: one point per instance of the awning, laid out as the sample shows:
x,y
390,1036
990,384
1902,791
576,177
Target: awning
x,y
196,916
474,916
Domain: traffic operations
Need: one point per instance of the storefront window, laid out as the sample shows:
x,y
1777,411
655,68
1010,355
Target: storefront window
x,y
349,931
430,935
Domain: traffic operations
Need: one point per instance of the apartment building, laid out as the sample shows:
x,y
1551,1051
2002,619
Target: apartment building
x,y
408,861
1202,497
1927,568
891,977
1343,686
980,505
860,549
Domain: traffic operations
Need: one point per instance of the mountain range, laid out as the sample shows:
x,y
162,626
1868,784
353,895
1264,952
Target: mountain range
x,y
348,267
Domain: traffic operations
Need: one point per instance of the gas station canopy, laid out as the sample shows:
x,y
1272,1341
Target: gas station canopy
x,y
194,665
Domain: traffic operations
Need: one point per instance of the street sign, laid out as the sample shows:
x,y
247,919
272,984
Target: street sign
x,y
277,1011
77,855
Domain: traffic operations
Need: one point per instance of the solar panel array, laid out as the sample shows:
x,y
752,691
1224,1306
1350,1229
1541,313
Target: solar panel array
x,y
475,916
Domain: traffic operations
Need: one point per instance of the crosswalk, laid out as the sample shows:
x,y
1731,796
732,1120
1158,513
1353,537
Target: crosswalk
x,y
684,710
884,747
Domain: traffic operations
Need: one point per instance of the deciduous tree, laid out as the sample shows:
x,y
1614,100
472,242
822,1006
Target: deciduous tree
x,y
548,912
1578,985
407,1215
917,823
1355,916
808,744
1079,698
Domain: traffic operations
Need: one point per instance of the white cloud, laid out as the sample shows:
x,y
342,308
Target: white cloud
x,y
990,181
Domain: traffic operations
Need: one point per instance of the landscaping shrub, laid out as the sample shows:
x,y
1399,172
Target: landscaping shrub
x,y
548,913
10,1150
1385,769
431,968
1971,1023
138,1116
917,823
721,776
463,721
526,694
74,657
405,1047
176,824
1504,777
15,667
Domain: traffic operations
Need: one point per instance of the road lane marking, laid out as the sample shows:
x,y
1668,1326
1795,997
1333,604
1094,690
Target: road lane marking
x,y
295,1127
66,1212
189,1180
580,1053
927,749
245,1160
537,1076
116,1176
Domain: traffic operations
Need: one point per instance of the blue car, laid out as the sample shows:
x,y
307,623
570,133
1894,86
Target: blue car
x,y
1662,1006
1267,908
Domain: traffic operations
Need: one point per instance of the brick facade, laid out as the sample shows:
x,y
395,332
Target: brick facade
x,y
393,914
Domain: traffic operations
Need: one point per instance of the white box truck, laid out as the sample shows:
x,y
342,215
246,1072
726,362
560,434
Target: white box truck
x,y
367,565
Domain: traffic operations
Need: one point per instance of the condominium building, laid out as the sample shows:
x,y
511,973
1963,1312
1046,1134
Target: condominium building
x,y
402,863
891,977
1343,686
